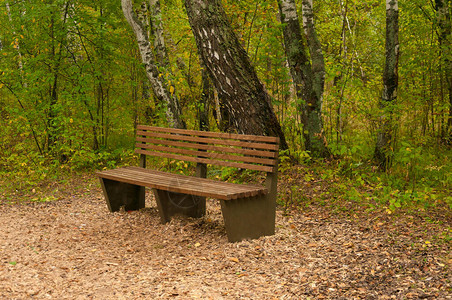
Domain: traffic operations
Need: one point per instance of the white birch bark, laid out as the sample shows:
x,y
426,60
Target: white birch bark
x,y
383,149
308,78
160,86
156,23
315,49
17,47
443,9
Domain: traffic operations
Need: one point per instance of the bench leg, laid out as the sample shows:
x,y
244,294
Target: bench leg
x,y
248,218
118,194
170,204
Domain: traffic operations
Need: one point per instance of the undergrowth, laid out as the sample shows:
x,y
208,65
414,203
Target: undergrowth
x,y
419,179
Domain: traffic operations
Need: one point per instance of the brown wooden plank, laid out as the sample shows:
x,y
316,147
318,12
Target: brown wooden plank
x,y
245,137
190,187
212,155
133,180
263,153
181,183
250,145
150,181
208,161
210,186
227,186
171,179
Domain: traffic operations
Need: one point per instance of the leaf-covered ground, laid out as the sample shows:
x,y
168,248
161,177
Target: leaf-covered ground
x,y
74,248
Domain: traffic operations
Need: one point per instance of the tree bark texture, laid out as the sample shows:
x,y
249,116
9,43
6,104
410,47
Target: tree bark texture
x,y
308,79
163,90
443,8
383,149
247,102
156,24
206,100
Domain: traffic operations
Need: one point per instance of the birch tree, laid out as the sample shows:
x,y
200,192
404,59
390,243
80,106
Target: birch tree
x,y
247,102
384,148
308,78
443,8
158,73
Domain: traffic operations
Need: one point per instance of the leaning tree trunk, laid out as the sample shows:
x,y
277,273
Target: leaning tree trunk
x,y
247,102
308,80
383,149
442,8
162,88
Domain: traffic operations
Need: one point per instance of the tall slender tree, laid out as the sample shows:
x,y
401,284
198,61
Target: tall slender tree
x,y
227,63
308,79
163,88
384,148
443,8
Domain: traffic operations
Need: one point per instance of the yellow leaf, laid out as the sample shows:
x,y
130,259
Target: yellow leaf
x,y
171,89
234,259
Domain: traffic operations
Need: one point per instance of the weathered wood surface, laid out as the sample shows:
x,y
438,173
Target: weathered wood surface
x,y
182,184
223,149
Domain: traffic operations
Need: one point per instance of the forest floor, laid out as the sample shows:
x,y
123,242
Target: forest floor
x,y
73,248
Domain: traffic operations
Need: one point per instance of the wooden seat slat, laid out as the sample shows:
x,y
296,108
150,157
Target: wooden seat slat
x,y
207,161
222,135
213,141
205,180
213,185
183,184
225,148
212,155
220,186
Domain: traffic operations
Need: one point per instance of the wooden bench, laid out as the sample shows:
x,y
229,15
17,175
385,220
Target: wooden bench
x,y
248,210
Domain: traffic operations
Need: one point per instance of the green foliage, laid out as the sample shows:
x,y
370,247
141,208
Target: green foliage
x,y
72,88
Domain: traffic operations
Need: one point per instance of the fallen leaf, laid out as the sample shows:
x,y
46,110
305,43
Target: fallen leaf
x,y
234,259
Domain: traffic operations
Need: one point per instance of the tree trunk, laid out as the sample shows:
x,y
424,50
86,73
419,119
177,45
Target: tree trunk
x,y
206,99
161,86
308,80
247,102
384,149
443,8
156,24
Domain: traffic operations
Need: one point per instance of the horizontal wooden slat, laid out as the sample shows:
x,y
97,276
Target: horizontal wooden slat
x,y
182,184
251,145
207,161
215,185
160,186
212,155
245,137
192,183
228,185
263,153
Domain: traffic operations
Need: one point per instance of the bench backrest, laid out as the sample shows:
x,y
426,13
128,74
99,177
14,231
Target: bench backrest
x,y
224,149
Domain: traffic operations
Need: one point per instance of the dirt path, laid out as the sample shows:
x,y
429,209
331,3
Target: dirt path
x,y
76,249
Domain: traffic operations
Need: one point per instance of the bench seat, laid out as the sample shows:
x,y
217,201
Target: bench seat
x,y
183,184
